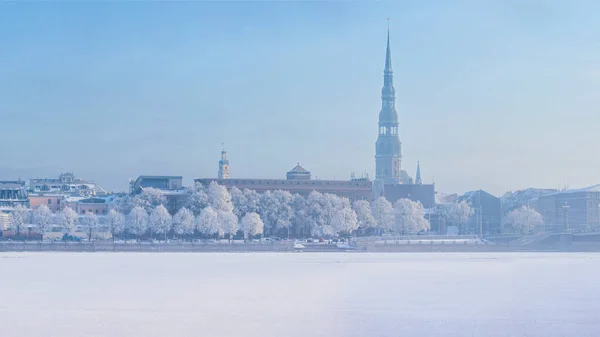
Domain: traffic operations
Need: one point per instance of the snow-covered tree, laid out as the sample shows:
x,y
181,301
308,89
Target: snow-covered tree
x,y
383,212
123,203
300,218
68,220
42,217
196,198
19,219
137,221
207,223
252,200
184,222
318,210
410,217
228,222
149,199
252,225
276,211
116,222
160,221
239,201
89,223
523,219
459,214
364,216
219,198
345,221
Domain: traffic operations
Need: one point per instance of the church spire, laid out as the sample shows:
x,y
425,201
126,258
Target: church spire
x,y
418,177
388,147
388,54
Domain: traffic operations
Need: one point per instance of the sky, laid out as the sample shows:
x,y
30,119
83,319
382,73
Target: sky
x,y
496,95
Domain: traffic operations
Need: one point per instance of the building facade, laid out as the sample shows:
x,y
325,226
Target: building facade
x,y
573,210
166,183
487,212
65,184
298,180
12,193
55,202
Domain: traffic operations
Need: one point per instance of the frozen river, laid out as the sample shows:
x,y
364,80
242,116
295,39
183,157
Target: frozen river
x,y
302,294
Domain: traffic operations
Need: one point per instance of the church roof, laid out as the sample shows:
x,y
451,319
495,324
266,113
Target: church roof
x,y
298,169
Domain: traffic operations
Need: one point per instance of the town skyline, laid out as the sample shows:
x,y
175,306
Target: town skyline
x,y
125,99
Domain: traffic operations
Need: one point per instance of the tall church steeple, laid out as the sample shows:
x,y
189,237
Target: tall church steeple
x,y
224,166
418,180
388,147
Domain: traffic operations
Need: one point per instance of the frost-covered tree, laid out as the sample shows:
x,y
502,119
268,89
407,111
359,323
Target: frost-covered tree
x,y
410,217
228,222
345,221
137,221
322,210
196,198
317,208
19,218
252,225
207,223
42,217
524,219
364,216
300,218
252,200
276,210
459,214
149,199
123,203
383,213
89,223
239,201
219,198
160,221
68,220
116,222
184,222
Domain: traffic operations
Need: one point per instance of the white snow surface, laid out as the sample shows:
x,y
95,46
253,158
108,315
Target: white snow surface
x,y
299,294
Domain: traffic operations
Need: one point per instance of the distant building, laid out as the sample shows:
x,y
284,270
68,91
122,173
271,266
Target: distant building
x,y
65,184
511,200
224,166
298,180
12,193
54,201
98,206
576,209
487,212
298,173
166,183
391,181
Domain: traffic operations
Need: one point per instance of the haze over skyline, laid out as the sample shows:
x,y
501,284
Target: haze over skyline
x,y
497,96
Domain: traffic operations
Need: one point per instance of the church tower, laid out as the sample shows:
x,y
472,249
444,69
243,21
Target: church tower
x,y
387,147
224,166
418,180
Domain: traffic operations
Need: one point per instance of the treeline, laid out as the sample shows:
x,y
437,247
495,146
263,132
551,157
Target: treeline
x,y
213,211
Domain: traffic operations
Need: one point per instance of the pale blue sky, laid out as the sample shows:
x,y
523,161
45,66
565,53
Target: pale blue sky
x,y
498,95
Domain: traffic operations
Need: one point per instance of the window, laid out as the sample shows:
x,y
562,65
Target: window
x,y
49,201
58,201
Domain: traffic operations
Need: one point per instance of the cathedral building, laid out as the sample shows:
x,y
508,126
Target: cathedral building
x,y
389,176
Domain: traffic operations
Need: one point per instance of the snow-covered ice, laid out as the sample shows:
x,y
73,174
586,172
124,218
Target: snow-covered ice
x,y
299,294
